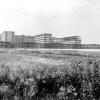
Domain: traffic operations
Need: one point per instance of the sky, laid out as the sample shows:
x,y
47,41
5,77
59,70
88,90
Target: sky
x,y
62,18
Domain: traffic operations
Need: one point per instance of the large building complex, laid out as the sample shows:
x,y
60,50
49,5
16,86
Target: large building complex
x,y
8,39
45,40
7,36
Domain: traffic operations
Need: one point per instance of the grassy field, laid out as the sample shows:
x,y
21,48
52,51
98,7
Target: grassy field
x,y
30,72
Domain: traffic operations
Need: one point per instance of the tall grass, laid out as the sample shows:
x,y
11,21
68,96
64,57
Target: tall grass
x,y
82,80
79,80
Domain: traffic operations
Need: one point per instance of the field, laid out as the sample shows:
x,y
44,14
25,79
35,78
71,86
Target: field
x,y
37,74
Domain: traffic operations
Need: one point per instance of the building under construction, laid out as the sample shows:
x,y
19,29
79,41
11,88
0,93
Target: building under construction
x,y
8,39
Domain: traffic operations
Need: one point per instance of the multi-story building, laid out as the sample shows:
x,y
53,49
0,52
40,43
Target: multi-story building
x,y
23,38
0,37
43,38
24,41
57,40
68,40
7,36
90,46
28,38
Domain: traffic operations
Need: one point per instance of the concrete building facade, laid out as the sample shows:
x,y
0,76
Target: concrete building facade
x,y
24,41
43,38
68,40
23,38
7,36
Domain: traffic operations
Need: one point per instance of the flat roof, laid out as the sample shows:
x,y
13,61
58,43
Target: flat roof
x,y
70,38
43,34
7,31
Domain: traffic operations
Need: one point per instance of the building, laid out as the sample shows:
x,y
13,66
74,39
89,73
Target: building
x,y
28,38
18,38
57,40
7,36
24,41
0,37
23,38
68,40
90,46
43,38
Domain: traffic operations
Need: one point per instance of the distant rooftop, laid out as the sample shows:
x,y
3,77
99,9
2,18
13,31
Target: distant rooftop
x,y
7,31
43,34
72,38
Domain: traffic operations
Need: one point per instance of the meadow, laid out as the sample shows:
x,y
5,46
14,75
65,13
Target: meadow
x,y
37,74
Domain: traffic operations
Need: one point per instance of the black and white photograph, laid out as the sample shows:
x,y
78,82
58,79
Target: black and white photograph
x,y
49,49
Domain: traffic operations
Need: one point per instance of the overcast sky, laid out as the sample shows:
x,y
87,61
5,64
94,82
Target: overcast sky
x,y
62,18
